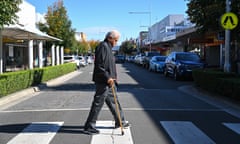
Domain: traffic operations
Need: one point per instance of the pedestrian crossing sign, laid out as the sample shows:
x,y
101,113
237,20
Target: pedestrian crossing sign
x,y
229,20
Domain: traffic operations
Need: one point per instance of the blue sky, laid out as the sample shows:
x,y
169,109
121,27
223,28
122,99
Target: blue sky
x,y
96,17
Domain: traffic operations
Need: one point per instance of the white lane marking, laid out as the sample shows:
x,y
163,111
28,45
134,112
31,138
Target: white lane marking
x,y
127,109
37,133
109,135
233,126
184,132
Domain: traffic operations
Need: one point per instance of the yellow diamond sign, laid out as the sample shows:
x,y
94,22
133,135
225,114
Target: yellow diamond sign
x,y
229,20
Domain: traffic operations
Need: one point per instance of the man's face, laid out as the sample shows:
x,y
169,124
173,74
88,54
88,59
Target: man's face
x,y
113,41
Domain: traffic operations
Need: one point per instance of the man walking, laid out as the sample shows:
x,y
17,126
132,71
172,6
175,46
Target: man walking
x,y
104,76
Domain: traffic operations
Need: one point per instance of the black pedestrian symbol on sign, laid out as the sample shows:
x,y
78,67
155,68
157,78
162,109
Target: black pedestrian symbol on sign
x,y
228,18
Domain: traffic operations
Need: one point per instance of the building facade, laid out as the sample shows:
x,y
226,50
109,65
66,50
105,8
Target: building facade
x,y
23,46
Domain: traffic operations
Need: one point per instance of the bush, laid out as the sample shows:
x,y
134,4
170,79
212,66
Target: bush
x,y
206,78
217,81
229,87
14,81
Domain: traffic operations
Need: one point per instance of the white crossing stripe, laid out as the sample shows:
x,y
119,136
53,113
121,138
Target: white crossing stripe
x,y
185,132
233,126
109,135
37,133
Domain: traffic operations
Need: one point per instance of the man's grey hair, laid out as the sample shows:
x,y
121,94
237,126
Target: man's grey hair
x,y
113,34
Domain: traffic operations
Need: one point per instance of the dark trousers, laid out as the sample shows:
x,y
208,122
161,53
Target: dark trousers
x,y
103,94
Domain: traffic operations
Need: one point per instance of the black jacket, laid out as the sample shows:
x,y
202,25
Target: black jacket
x,y
104,64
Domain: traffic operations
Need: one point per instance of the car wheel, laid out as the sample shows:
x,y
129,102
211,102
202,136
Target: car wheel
x,y
149,69
155,70
165,72
176,76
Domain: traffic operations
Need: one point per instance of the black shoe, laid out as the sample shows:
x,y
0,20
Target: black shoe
x,y
91,131
124,125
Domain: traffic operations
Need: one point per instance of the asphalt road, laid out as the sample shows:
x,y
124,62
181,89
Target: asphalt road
x,y
160,110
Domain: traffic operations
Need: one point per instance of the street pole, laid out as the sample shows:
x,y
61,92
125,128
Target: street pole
x,y
227,65
1,52
149,30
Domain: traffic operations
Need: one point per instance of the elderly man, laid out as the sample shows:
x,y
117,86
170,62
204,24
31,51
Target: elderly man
x,y
104,76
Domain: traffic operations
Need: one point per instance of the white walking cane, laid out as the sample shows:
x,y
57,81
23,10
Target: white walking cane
x,y
117,108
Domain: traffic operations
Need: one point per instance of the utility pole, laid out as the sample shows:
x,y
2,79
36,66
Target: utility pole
x,y
227,65
149,30
1,52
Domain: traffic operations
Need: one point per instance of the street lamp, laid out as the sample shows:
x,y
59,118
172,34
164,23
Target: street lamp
x,y
149,31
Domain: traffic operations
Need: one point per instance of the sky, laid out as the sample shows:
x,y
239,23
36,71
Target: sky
x,y
96,17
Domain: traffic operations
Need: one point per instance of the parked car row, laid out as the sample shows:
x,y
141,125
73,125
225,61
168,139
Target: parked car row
x,y
177,64
81,61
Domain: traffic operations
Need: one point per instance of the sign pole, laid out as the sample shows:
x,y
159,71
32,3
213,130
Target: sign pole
x,y
227,66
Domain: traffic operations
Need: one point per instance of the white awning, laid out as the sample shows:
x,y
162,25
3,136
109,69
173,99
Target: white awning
x,y
25,33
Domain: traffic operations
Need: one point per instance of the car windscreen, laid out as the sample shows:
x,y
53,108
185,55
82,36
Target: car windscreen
x,y
160,58
188,57
68,58
80,58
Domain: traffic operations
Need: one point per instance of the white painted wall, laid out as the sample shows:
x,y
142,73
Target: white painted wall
x,y
27,15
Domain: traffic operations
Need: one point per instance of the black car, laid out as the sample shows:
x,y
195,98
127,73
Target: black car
x,y
181,64
119,58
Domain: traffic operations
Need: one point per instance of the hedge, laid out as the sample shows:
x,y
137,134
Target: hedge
x,y
217,81
14,81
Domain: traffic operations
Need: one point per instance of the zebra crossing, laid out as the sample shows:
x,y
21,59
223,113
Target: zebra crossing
x,y
185,132
37,133
180,132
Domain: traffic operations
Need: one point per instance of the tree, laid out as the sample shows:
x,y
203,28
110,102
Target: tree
x,y
8,10
59,25
128,47
207,14
93,44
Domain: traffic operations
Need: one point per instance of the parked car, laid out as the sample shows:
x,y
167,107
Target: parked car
x,y
82,61
72,59
119,58
181,64
148,56
130,59
157,63
138,59
89,60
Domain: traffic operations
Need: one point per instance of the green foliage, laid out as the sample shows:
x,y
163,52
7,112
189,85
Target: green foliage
x,y
217,81
82,47
15,81
229,87
206,14
11,82
59,25
93,44
8,10
128,47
